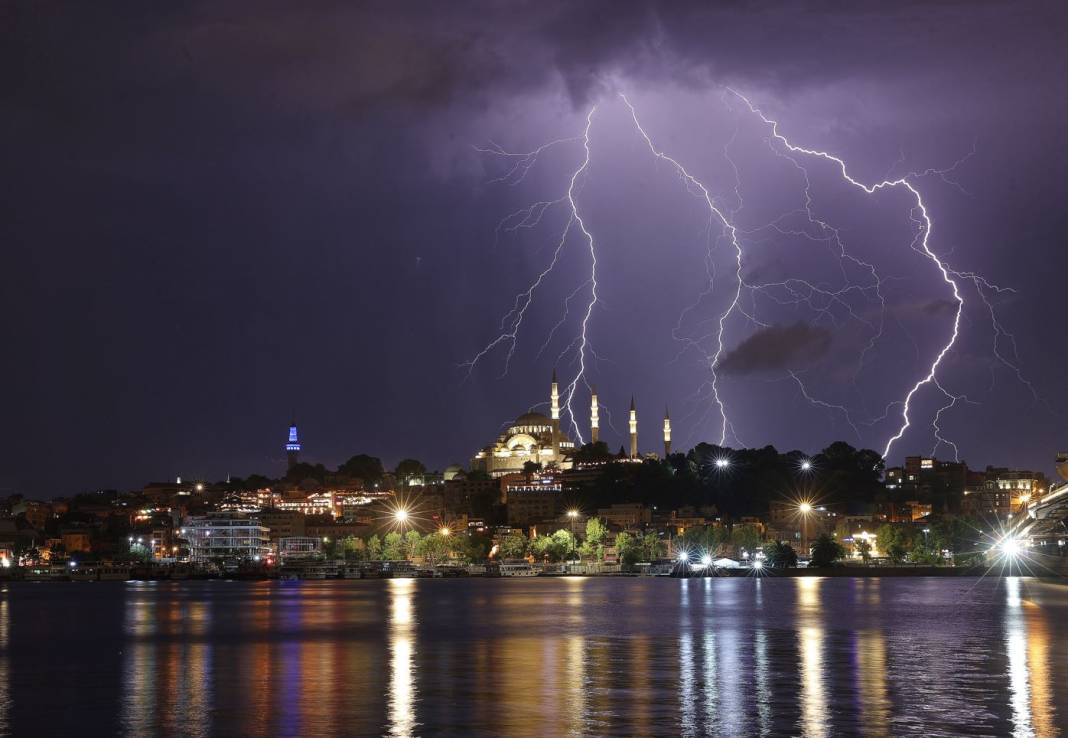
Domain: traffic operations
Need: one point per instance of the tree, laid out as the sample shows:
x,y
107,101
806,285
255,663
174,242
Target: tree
x,y
393,547
893,541
593,453
779,555
825,551
408,468
513,546
652,547
374,548
864,549
745,537
303,471
366,468
531,467
354,548
413,543
628,549
556,547
593,546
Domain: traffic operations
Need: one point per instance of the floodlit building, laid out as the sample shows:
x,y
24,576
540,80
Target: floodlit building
x,y
228,536
535,437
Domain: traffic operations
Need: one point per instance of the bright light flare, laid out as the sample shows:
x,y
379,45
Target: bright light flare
x,y
758,564
401,515
806,465
706,560
722,463
805,508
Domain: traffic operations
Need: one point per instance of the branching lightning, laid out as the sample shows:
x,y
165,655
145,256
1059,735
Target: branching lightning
x,y
828,303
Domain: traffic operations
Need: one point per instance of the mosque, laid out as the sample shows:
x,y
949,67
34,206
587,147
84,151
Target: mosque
x,y
535,437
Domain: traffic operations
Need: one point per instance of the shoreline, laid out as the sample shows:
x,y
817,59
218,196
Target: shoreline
x,y
838,572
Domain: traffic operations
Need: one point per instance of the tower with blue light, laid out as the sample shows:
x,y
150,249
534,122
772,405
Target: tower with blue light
x,y
293,445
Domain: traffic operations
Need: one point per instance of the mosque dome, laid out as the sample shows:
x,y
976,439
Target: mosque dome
x,y
533,419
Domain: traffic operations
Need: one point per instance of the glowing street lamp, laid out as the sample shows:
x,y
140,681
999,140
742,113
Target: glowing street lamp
x,y
804,508
758,563
722,463
573,516
401,515
806,465
445,530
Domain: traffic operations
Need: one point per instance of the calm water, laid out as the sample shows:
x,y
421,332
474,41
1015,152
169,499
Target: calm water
x,y
536,657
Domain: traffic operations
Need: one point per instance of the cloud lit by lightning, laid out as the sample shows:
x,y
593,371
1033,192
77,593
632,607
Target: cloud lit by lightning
x,y
861,279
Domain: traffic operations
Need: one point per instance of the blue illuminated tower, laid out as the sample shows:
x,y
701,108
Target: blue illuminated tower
x,y
293,445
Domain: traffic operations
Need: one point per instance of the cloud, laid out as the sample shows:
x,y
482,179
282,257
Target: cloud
x,y
777,347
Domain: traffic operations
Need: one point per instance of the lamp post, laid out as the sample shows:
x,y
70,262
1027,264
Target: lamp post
x,y
573,515
805,508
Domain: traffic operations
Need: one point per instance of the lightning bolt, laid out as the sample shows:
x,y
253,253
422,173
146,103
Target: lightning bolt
x,y
923,238
831,303
714,214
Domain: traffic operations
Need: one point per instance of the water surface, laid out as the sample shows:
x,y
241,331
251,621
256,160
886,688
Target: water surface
x,y
536,657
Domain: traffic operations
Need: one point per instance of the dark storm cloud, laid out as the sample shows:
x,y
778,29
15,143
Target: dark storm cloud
x,y
778,347
355,56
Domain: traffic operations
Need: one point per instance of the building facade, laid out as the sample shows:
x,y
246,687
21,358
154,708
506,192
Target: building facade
x,y
226,536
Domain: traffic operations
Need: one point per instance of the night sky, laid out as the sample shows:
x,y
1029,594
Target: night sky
x,y
216,215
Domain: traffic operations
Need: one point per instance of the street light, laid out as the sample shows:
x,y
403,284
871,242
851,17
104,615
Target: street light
x,y
401,515
445,530
573,515
806,465
722,463
805,508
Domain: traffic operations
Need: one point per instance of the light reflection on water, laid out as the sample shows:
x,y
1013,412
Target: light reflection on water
x,y
727,657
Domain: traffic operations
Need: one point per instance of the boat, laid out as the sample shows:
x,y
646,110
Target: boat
x,y
114,573
84,574
38,574
517,568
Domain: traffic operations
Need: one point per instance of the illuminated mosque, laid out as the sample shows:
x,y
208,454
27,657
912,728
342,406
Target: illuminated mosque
x,y
535,437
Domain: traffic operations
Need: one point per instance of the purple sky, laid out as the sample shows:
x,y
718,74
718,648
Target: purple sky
x,y
213,218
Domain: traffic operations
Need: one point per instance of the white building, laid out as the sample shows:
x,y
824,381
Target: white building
x,y
228,536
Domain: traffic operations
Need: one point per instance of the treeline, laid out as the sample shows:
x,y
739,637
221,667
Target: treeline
x,y
738,482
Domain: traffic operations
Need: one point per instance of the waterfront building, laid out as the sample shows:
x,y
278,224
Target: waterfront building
x,y
282,523
629,516
299,547
532,498
1004,492
228,536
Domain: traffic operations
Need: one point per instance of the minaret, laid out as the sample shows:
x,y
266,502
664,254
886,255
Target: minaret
x,y
595,423
667,433
633,430
293,445
554,404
